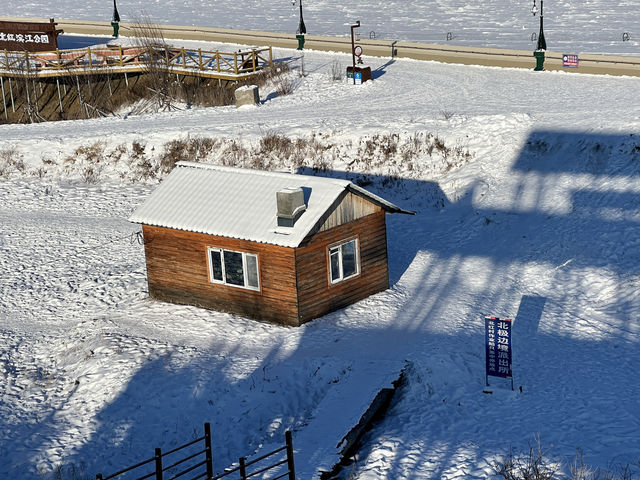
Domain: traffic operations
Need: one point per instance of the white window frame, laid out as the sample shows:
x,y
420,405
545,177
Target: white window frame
x,y
245,277
337,248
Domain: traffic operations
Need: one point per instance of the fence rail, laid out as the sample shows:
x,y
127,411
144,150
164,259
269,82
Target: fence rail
x,y
99,60
204,458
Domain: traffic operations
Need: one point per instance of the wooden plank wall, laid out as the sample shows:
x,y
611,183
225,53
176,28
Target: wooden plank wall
x,y
351,208
178,272
316,295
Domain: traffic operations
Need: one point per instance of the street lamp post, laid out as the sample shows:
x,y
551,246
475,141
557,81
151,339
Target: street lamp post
x,y
542,44
115,20
302,29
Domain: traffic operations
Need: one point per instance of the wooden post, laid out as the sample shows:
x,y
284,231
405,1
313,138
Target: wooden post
x,y
59,60
89,55
200,59
208,450
235,62
292,469
184,57
218,59
59,96
4,100
243,468
158,457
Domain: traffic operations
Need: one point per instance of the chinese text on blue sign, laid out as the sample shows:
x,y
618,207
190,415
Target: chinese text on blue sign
x,y
498,346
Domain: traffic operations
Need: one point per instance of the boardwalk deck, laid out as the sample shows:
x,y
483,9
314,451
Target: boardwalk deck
x,y
114,60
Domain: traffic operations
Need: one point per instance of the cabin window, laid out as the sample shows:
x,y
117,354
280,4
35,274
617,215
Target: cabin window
x,y
239,269
343,261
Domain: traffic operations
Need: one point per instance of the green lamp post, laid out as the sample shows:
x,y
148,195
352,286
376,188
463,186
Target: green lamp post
x,y
302,29
115,20
541,48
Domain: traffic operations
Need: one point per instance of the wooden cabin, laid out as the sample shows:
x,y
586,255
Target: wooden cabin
x,y
272,246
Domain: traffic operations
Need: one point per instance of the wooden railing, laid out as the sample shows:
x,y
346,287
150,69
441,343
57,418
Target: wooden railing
x,y
259,467
200,463
98,60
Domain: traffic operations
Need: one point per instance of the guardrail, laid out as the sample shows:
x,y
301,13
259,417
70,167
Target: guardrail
x,y
158,461
203,466
135,58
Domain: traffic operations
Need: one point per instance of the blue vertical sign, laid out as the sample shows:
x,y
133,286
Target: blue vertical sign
x,y
497,335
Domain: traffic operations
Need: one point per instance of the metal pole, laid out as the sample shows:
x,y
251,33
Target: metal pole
x,y
13,106
302,29
158,457
209,449
243,468
542,44
292,469
59,96
353,53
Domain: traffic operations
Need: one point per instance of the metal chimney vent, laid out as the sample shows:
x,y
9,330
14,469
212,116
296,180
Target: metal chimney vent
x,y
290,202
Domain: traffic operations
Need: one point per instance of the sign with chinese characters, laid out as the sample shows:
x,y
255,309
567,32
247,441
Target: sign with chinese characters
x,y
29,36
498,346
570,60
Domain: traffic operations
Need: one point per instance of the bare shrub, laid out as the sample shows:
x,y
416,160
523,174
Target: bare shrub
x,y
280,75
140,164
284,85
190,149
276,144
10,160
150,37
173,152
446,114
90,174
91,154
532,466
335,71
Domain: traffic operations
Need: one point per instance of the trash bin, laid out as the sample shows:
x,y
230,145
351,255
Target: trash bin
x,y
300,38
539,54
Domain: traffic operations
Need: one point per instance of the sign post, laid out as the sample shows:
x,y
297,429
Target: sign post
x,y
497,335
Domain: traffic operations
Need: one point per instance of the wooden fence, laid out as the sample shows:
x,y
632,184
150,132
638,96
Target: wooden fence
x,y
200,463
92,61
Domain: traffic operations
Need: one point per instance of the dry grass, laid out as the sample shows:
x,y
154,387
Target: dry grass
x,y
10,161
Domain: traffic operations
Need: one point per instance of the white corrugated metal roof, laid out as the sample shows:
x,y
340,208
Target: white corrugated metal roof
x,y
240,203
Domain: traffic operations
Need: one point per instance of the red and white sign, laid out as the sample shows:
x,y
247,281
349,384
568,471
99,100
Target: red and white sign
x,y
570,60
357,51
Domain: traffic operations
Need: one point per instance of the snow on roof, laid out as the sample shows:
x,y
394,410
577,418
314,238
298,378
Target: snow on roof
x,y
241,203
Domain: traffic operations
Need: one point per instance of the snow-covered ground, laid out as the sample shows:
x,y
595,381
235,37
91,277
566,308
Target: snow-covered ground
x,y
573,26
539,223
